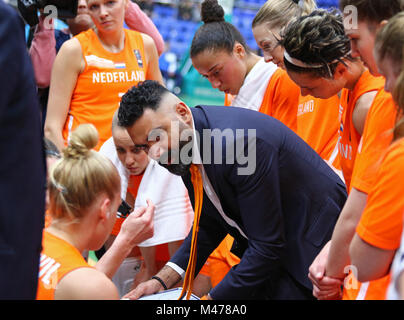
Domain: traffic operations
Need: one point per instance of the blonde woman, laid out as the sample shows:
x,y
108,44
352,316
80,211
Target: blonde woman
x,y
84,195
94,69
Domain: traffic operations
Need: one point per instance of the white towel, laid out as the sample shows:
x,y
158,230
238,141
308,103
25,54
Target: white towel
x,y
255,85
108,149
173,215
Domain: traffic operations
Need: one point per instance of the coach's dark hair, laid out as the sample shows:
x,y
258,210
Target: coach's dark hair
x,y
146,94
215,33
318,38
373,11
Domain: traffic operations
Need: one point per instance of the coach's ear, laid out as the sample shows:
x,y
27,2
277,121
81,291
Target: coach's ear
x,y
183,112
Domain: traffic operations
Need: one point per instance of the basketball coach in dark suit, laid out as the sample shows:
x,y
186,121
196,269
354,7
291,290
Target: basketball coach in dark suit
x,y
262,184
22,164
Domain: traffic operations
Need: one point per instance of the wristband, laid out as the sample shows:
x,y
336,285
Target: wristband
x,y
161,282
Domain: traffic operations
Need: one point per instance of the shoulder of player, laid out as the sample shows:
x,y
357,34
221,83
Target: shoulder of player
x,y
86,284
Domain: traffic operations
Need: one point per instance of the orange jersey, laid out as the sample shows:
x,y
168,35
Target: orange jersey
x,y
105,78
349,138
372,290
280,99
376,138
317,124
58,258
381,223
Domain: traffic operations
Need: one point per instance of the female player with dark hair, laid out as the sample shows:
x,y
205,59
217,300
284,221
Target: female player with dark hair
x,y
317,119
327,64
220,53
317,58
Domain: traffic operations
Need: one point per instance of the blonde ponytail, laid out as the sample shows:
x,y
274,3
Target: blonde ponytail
x,y
308,6
278,13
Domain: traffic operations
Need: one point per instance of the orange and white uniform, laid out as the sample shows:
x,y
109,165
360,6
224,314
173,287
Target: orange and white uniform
x,y
317,125
349,138
381,223
58,258
376,138
105,78
277,97
281,99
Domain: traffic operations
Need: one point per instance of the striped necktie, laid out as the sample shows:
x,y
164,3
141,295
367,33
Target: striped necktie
x,y
196,180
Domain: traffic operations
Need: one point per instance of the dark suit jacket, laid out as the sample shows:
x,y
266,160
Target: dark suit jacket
x,y
22,164
287,208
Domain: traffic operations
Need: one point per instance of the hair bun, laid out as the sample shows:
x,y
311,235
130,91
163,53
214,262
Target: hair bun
x,y
82,141
211,11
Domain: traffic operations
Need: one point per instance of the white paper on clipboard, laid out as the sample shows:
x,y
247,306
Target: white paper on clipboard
x,y
172,294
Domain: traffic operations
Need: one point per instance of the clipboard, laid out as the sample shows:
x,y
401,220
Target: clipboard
x,y
171,294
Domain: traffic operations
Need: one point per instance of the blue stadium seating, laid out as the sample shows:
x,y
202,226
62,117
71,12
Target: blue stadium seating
x,y
180,33
327,3
179,47
164,11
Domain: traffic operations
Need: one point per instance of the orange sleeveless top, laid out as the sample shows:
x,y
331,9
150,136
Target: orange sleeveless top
x,y
58,258
349,138
317,124
105,78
